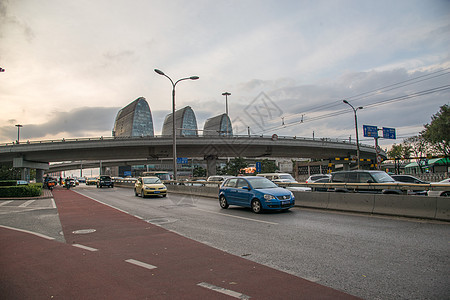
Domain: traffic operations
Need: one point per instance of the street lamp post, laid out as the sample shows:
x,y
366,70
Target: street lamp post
x,y
226,94
18,132
356,129
174,136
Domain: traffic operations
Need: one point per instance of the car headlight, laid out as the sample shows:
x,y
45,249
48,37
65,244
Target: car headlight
x,y
292,195
269,197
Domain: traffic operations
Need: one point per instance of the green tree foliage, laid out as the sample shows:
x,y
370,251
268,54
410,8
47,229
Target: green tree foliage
x,y
199,172
268,166
437,133
7,172
234,166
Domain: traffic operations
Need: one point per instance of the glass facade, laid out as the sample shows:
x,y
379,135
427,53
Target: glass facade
x,y
189,126
218,126
186,123
135,119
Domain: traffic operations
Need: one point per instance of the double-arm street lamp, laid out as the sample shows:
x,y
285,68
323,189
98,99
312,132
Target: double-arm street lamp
x,y
356,129
174,130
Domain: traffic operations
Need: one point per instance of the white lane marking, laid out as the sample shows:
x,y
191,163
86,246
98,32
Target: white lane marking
x,y
26,203
85,247
140,264
238,217
53,203
6,202
30,232
223,290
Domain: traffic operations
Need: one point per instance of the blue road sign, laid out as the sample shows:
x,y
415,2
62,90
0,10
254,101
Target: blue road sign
x,y
182,160
370,131
389,133
258,167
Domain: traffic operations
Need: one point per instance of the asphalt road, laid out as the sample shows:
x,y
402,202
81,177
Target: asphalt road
x,y
366,256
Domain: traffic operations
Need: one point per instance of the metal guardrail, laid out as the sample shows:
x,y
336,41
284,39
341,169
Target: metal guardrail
x,y
64,140
363,186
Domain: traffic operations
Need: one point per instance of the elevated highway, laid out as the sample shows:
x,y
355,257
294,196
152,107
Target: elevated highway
x,y
37,154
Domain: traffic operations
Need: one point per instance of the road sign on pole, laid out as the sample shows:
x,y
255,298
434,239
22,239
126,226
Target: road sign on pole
x,y
258,167
370,131
389,133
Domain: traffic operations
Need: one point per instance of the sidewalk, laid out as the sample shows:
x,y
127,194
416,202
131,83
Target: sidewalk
x,y
112,255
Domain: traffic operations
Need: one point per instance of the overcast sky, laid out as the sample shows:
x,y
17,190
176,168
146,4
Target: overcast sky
x,y
71,65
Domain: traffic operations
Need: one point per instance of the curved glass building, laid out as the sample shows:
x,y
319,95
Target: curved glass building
x,y
186,123
135,119
218,125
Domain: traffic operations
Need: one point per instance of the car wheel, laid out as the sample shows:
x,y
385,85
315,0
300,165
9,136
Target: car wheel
x,y
135,192
165,195
223,202
445,194
256,206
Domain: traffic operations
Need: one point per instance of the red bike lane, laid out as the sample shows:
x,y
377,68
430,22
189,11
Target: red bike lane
x,y
109,254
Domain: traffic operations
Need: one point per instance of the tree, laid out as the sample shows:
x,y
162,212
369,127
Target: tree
x,y
268,166
437,133
198,172
234,166
419,147
7,172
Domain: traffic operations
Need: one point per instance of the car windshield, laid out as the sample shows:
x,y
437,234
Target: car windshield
x,y
288,177
382,177
151,180
105,178
261,183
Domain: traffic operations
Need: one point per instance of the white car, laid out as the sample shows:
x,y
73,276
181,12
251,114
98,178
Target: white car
x,y
285,178
445,193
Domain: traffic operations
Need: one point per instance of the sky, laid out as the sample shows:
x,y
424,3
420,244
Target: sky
x,y
71,65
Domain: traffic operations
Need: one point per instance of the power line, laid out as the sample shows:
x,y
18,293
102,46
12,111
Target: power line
x,y
378,103
377,91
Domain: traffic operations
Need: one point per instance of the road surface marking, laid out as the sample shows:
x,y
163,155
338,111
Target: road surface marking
x,y
223,290
140,264
238,217
53,203
27,203
85,247
4,203
30,232
121,210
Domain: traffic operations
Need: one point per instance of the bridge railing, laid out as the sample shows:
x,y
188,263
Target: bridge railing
x,y
64,140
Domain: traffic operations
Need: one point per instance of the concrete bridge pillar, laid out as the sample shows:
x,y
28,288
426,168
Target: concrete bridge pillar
x,y
211,165
39,175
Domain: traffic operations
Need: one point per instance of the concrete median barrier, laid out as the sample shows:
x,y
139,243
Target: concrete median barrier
x,y
403,205
396,205
358,202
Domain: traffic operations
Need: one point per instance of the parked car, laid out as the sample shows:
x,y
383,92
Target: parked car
x,y
440,193
105,180
411,179
258,193
363,176
149,186
284,177
314,178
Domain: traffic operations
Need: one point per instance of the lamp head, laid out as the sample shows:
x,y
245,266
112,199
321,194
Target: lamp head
x,y
360,107
194,77
159,72
345,101
226,94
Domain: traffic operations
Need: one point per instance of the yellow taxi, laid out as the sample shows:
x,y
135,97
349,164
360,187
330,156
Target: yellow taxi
x,y
149,186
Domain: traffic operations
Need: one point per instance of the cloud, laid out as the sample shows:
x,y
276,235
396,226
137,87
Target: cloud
x,y
80,122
